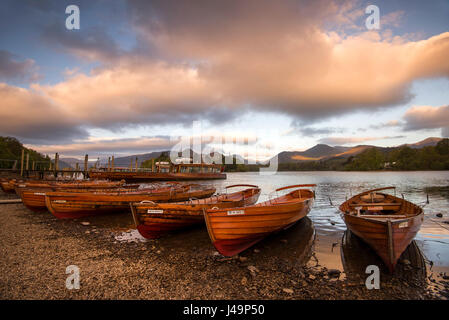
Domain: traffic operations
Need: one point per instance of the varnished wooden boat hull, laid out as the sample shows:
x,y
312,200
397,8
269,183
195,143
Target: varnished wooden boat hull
x,y
388,237
8,187
34,198
377,235
233,231
356,255
177,216
77,205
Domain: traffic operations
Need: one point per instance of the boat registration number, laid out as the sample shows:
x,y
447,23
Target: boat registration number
x,y
39,194
403,224
59,201
234,212
22,185
155,211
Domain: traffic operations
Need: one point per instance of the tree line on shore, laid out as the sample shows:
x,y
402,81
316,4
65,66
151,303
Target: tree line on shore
x,y
11,151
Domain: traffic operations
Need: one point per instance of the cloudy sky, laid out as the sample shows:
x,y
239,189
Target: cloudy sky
x,y
250,76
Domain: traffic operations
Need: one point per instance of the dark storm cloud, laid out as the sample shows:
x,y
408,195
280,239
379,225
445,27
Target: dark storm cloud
x,y
12,67
92,43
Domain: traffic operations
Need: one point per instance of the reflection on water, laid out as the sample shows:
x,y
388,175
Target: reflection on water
x,y
293,245
356,255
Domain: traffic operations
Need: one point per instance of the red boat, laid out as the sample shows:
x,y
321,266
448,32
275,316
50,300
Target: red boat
x,y
154,220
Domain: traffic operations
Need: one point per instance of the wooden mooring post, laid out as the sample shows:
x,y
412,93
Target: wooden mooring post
x,y
21,162
56,166
86,163
112,163
27,166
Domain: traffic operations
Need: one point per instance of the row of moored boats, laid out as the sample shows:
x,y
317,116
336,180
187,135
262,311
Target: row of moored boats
x,y
234,219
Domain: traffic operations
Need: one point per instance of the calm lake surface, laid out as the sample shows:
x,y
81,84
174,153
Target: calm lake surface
x,y
335,187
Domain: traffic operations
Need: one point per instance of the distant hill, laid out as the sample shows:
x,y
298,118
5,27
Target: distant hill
x,y
71,163
320,152
429,142
11,149
126,161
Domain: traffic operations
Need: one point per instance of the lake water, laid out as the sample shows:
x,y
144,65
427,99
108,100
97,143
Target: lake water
x,y
335,187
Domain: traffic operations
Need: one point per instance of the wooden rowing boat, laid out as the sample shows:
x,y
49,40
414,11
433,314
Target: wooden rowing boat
x,y
356,255
233,231
8,186
33,193
54,186
385,222
66,205
12,185
34,198
154,220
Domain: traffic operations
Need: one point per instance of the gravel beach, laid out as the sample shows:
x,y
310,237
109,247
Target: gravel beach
x,y
115,263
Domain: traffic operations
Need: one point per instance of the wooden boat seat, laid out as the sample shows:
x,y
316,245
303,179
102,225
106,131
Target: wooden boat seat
x,y
383,216
383,204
